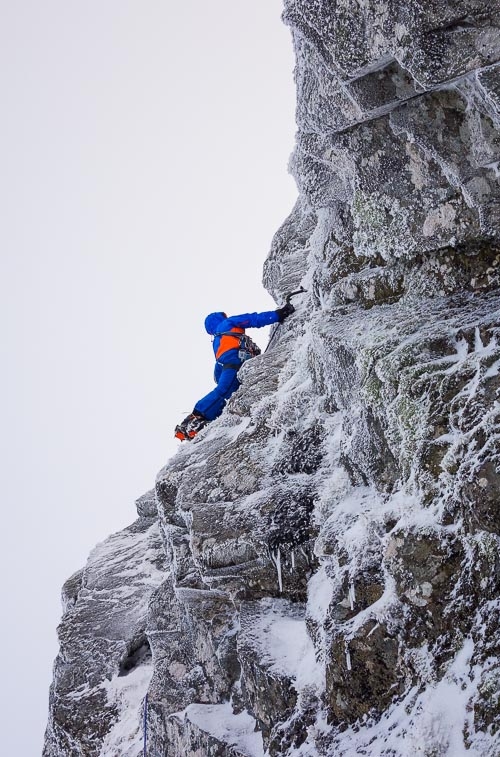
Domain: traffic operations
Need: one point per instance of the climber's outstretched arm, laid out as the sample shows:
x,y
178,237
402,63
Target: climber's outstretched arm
x,y
253,320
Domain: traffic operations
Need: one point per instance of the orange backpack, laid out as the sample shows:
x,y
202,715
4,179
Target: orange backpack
x,y
237,339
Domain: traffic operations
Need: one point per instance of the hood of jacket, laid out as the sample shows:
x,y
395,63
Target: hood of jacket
x,y
212,321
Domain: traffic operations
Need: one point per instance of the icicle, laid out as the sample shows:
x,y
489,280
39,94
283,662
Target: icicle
x,y
348,658
277,562
352,595
478,342
293,560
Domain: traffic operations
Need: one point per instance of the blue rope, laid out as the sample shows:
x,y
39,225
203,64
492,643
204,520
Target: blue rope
x,y
145,725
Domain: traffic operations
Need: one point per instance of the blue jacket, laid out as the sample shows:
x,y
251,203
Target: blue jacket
x,y
215,323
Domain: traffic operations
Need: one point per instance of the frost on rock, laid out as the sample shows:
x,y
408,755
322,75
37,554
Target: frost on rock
x,y
318,572
104,666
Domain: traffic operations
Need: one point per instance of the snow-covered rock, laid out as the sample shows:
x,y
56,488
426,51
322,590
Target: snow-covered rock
x,y
328,576
104,666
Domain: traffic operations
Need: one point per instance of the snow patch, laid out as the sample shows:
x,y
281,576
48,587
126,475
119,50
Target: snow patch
x,y
319,596
220,722
127,693
283,645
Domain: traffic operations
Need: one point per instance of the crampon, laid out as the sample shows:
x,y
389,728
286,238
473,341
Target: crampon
x,y
190,426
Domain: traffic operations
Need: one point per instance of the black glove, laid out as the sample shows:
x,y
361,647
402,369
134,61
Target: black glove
x,y
285,311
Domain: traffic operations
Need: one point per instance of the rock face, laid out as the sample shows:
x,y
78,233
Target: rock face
x,y
318,573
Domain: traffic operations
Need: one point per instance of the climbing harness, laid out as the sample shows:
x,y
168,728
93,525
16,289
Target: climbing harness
x,y
225,366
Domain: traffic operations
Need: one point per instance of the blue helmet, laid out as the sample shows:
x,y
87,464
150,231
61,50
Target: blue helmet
x,y
212,321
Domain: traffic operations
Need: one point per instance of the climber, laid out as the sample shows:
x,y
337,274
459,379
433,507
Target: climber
x,y
231,348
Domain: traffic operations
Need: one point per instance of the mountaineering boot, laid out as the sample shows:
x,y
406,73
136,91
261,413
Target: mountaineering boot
x,y
190,426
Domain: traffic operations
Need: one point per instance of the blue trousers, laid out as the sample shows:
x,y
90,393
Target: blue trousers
x,y
212,405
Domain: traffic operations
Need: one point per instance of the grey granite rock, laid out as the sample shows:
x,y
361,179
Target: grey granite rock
x,y
104,663
324,571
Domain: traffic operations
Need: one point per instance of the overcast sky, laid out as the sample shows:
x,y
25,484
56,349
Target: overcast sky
x,y
143,173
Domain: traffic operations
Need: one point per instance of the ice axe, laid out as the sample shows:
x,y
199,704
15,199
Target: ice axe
x,y
292,294
288,297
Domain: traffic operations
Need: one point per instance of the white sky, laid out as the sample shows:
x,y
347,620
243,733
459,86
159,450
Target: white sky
x,y
143,172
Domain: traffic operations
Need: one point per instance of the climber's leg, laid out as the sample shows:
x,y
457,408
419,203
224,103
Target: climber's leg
x,y
212,405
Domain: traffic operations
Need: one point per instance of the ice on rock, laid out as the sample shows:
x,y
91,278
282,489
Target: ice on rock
x,y
234,731
277,562
319,572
